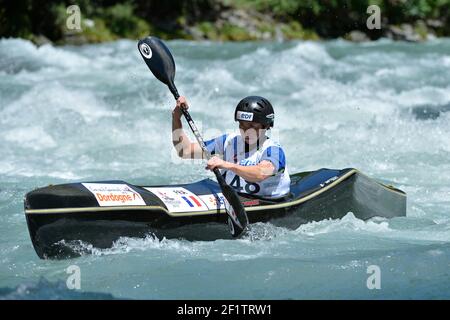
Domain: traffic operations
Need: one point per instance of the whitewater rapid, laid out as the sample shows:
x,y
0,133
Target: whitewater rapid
x,y
95,112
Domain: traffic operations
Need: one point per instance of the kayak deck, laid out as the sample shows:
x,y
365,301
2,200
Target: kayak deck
x,y
99,213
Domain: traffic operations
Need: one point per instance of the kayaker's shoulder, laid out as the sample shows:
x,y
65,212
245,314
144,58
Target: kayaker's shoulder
x,y
231,136
272,143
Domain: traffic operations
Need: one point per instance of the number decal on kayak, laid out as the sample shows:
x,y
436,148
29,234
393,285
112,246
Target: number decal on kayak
x,y
249,187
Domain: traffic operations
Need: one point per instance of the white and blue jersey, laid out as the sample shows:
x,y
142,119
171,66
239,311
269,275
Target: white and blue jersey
x,y
232,149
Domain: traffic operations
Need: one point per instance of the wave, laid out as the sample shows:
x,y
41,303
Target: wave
x,y
44,289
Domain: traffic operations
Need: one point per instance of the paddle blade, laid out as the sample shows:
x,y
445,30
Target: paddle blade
x,y
237,217
159,60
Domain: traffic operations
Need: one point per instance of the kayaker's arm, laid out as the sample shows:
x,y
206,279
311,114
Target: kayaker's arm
x,y
256,173
185,148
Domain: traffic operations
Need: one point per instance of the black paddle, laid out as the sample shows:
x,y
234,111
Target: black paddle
x,y
160,62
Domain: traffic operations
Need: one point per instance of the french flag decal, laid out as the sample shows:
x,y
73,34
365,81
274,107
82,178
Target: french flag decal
x,y
194,200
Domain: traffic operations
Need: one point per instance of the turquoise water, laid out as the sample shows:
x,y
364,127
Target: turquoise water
x,y
95,112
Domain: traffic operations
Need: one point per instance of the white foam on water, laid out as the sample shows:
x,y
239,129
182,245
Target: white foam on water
x,y
264,232
308,51
257,243
433,231
32,137
48,100
349,223
446,61
44,55
426,95
124,245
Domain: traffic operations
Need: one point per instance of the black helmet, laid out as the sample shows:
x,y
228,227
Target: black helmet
x,y
255,109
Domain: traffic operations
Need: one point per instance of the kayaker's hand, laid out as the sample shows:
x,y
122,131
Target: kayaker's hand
x,y
181,103
216,162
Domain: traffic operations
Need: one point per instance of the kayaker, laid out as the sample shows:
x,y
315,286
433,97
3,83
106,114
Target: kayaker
x,y
250,161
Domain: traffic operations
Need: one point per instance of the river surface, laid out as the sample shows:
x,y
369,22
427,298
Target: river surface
x,y
95,112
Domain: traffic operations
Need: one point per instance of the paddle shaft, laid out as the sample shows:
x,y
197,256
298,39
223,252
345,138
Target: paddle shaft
x,y
161,63
198,136
237,217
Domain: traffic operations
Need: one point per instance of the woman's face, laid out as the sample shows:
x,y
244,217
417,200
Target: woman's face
x,y
251,131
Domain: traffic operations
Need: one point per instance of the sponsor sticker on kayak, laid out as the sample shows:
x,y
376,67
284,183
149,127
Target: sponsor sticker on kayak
x,y
179,199
250,203
214,201
110,195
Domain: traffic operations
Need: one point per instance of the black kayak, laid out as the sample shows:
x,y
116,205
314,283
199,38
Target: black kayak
x,y
98,213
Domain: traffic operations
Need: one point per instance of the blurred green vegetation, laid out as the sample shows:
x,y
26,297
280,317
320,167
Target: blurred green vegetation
x,y
106,20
